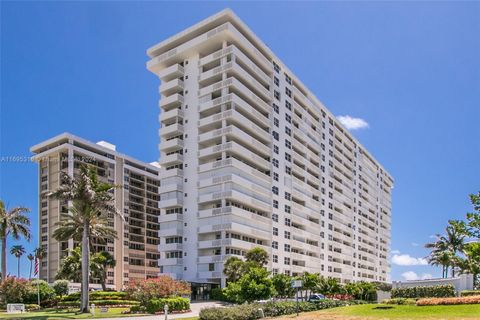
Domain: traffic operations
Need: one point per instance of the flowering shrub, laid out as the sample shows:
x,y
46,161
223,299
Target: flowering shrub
x,y
400,301
15,290
448,301
155,288
441,291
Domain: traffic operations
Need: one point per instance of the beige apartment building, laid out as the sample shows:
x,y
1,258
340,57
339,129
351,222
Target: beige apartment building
x,y
250,157
136,247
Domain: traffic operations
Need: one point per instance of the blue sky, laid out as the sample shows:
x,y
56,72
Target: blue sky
x,y
411,70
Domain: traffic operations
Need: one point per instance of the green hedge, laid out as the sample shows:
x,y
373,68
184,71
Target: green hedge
x,y
100,303
400,301
98,295
269,309
442,291
174,304
467,293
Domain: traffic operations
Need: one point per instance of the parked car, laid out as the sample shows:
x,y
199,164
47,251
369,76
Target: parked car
x,y
316,297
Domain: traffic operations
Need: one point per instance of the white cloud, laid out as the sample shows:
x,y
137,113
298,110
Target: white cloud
x,y
407,260
352,123
410,275
395,252
415,244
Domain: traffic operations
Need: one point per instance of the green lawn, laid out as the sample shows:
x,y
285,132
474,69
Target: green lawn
x,y
471,311
66,314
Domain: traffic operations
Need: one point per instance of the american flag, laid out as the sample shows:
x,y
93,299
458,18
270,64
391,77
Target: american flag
x,y
36,266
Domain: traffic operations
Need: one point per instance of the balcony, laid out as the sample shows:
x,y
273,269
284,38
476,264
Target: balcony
x,y
174,71
171,247
261,222
171,145
175,100
171,231
171,87
171,130
238,179
229,223
253,173
173,114
237,149
170,262
174,202
170,217
247,199
171,159
164,173
209,274
170,187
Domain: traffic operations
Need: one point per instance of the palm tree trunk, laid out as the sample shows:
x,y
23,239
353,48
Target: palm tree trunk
x,y
104,280
84,308
4,258
18,267
30,276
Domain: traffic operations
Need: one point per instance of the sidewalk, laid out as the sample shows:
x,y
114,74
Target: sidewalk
x,y
194,306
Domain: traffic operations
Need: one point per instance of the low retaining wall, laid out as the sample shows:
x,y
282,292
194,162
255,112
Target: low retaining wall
x,y
462,282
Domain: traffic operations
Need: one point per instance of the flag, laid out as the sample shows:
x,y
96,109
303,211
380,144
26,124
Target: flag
x,y
36,266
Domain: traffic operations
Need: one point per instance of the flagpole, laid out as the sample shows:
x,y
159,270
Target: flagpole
x,y
38,284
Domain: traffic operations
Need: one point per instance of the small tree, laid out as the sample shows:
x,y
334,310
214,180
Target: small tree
x,y
100,262
161,287
60,287
233,269
17,251
283,285
255,284
257,255
310,281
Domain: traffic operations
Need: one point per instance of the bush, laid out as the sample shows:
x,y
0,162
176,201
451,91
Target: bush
x,y
467,293
449,301
217,294
47,294
32,307
270,309
441,291
13,290
98,295
400,301
60,287
76,303
156,288
174,304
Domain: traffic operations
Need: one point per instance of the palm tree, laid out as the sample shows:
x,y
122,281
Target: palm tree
x,y
18,252
92,202
31,257
445,249
13,223
71,266
101,261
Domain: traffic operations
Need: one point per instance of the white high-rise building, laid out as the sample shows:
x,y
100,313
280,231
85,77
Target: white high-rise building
x,y
250,158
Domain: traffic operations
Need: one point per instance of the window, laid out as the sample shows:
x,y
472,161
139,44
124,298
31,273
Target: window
x,y
275,204
288,170
288,157
288,92
275,258
275,217
211,267
288,144
288,131
286,260
288,118
276,94
275,163
287,234
288,222
275,190
274,244
276,108
286,247
275,231
288,196
288,209
276,122
275,176
288,79
288,105
275,149
276,81
276,67
275,135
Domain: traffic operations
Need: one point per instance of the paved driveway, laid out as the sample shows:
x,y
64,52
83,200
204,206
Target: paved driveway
x,y
194,306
